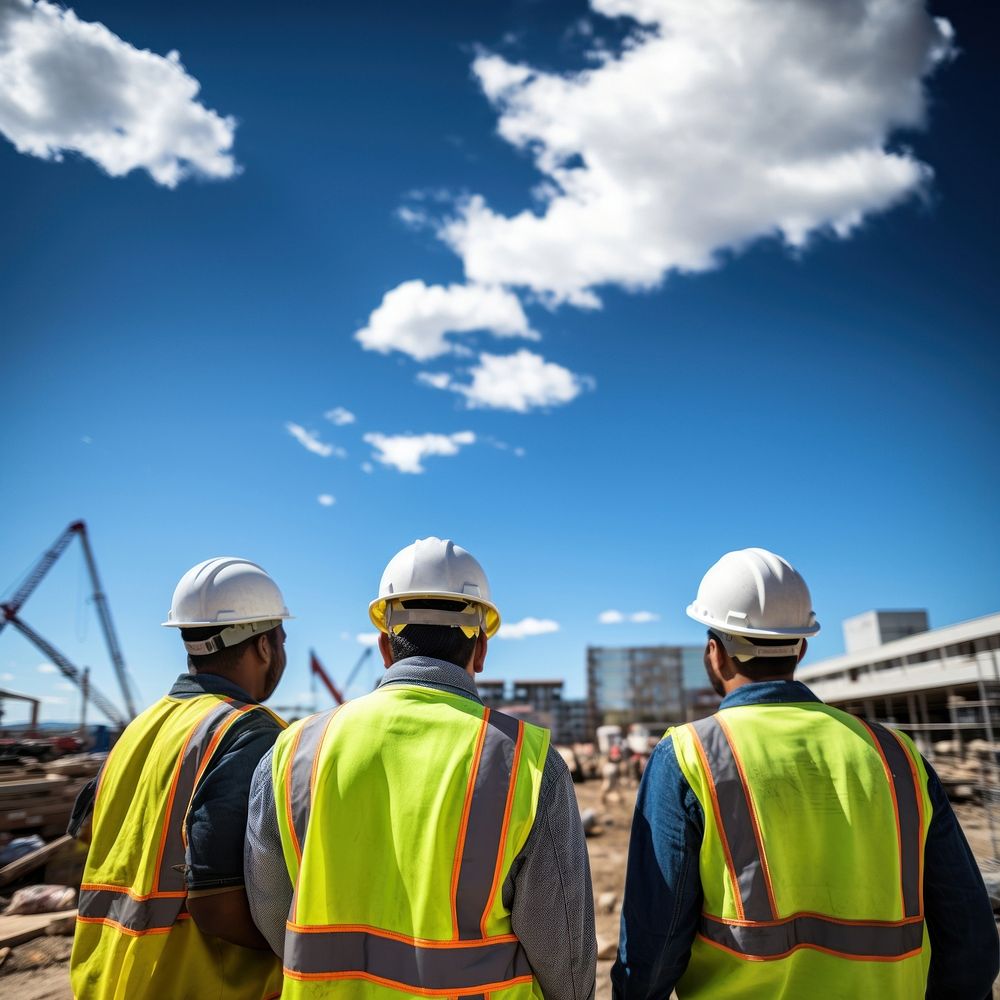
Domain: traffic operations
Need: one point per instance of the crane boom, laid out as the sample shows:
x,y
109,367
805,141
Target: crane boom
x,y
104,614
37,572
35,576
357,666
317,671
69,670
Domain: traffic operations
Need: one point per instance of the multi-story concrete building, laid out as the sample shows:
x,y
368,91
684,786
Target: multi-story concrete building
x,y
637,683
492,692
941,684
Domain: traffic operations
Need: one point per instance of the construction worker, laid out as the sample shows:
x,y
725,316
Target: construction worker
x,y
163,911
413,841
782,848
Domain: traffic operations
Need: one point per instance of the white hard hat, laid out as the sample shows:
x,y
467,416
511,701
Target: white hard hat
x,y
434,569
754,593
229,592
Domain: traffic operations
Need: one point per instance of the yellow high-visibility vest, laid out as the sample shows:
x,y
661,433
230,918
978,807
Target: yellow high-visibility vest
x,y
400,816
134,937
812,856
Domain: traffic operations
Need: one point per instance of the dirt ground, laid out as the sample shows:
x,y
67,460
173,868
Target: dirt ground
x,y
38,970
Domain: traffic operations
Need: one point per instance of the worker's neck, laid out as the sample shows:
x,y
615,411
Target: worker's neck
x,y
731,684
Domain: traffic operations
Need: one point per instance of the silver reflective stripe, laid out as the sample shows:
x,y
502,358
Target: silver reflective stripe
x,y
485,824
908,812
136,915
307,747
858,941
403,962
737,825
170,876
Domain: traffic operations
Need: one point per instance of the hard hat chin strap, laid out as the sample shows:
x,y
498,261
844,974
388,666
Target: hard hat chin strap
x,y
739,647
230,636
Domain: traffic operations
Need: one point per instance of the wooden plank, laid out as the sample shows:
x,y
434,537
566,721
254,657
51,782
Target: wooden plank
x,y
25,927
37,858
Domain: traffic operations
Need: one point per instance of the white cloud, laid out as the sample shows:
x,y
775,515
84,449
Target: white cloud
x,y
367,638
68,85
339,416
326,500
613,617
641,617
52,699
527,627
65,686
367,467
521,381
6,677
47,668
716,125
415,318
310,440
406,452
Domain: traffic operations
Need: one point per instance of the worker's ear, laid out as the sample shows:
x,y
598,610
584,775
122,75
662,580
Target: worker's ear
x,y
479,653
717,661
385,648
802,651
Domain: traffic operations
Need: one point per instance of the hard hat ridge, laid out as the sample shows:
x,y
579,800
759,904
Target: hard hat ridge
x,y
434,569
755,593
234,594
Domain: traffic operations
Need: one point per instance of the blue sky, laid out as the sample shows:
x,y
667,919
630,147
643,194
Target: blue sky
x,y
668,312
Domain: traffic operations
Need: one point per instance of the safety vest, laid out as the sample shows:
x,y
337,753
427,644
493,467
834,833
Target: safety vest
x,y
134,936
812,856
400,816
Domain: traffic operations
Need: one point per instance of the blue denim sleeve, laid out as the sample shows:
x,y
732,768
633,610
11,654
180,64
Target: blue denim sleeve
x,y
662,902
217,819
965,956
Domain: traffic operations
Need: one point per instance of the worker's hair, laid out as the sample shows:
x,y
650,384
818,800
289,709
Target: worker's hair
x,y
222,660
763,666
440,642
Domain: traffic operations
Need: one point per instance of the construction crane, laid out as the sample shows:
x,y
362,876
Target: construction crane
x,y
34,702
10,615
316,670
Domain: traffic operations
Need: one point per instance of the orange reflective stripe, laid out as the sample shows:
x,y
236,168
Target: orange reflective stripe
x,y
464,824
719,823
456,968
290,790
511,785
752,810
907,806
763,941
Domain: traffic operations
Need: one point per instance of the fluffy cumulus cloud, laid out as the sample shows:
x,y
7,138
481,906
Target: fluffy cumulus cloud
x,y
367,638
521,381
68,85
527,627
614,617
717,124
47,668
416,319
339,416
311,441
326,499
406,452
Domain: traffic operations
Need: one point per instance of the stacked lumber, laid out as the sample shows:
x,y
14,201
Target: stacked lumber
x,y
38,798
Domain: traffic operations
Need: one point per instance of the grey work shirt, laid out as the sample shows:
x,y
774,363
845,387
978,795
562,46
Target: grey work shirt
x,y
548,889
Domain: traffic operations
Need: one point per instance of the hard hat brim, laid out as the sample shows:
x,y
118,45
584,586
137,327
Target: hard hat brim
x,y
227,621
376,609
703,618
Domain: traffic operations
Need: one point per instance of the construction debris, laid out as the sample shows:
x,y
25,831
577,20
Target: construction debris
x,y
38,798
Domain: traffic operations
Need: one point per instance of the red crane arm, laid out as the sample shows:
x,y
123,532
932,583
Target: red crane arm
x,y
317,669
